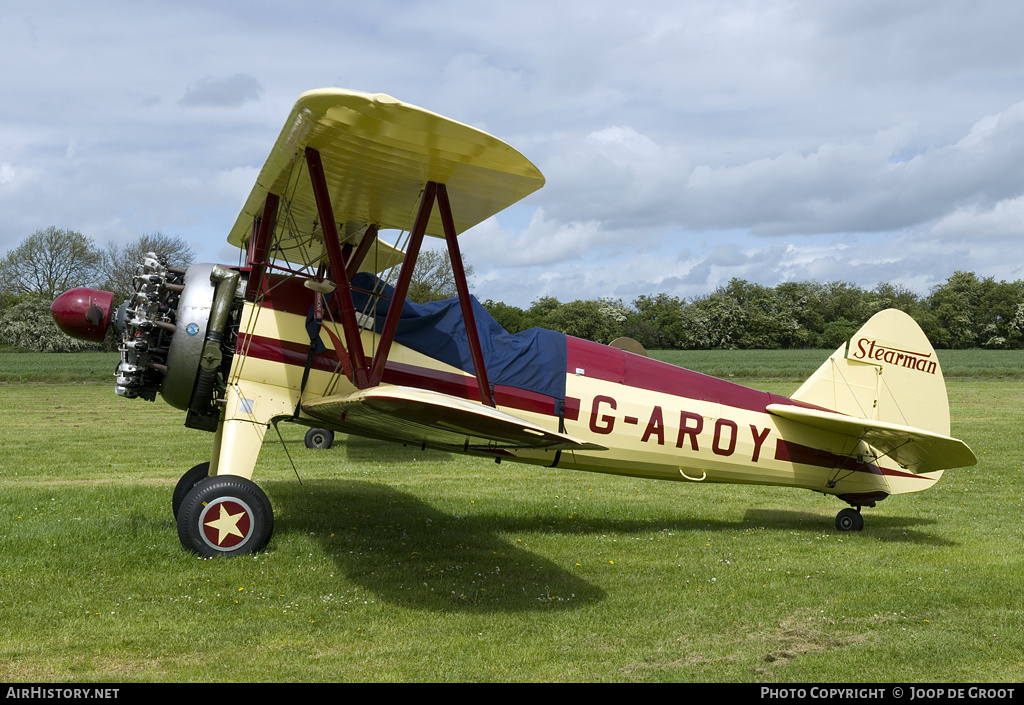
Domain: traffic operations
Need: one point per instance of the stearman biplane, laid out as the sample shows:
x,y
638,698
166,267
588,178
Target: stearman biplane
x,y
309,330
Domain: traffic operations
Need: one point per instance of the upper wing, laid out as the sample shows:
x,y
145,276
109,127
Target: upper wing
x,y
439,420
915,449
378,153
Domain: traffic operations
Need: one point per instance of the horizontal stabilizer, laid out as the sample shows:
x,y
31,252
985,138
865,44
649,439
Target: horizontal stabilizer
x,y
915,449
417,416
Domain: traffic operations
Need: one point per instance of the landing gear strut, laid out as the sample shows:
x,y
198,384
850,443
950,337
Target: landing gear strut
x,y
850,519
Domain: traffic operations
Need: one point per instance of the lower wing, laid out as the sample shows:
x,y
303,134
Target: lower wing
x,y
417,416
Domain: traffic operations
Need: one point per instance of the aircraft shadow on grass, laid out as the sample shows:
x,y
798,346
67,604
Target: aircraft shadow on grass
x,y
411,553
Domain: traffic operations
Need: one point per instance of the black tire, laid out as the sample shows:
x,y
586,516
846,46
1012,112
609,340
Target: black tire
x,y
225,516
849,520
319,438
189,480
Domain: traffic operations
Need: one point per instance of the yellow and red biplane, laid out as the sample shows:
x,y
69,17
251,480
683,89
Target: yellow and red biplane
x,y
307,331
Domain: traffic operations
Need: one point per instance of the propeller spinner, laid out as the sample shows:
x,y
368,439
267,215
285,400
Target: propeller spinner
x,y
83,313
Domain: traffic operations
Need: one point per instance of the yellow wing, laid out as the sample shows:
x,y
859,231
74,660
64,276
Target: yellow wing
x,y
438,420
378,153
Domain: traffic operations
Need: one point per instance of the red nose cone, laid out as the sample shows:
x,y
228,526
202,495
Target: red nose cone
x,y
83,313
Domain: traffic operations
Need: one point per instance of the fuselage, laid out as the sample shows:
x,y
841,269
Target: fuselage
x,y
656,420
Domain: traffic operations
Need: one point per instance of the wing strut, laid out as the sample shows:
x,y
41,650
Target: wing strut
x,y
369,374
464,301
412,252
360,254
259,245
338,270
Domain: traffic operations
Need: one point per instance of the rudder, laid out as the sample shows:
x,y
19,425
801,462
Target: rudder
x,y
888,371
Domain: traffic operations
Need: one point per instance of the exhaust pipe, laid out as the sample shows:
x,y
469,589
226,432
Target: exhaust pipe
x,y
202,412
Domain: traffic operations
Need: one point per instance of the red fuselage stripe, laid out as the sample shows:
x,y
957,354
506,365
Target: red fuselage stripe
x,y
461,386
613,365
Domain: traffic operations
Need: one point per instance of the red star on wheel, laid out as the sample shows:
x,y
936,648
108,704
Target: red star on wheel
x,y
230,527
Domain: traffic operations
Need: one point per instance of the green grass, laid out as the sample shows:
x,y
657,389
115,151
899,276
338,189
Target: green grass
x,y
57,367
395,564
749,364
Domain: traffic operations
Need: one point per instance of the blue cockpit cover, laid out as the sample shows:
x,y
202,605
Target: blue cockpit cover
x,y
534,360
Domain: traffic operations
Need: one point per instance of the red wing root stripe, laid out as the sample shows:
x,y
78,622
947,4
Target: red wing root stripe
x,y
288,353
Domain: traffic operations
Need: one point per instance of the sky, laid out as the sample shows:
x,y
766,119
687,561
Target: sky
x,y
685,143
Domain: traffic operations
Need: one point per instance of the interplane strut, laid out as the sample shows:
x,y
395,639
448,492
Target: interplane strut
x,y
367,373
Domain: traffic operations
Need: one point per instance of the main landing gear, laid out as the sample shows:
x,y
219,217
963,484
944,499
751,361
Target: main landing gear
x,y
224,515
850,519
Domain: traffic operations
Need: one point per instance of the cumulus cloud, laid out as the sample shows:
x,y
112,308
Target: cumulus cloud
x,y
1004,220
231,92
624,179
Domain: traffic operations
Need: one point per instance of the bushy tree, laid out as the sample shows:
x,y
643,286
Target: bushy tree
x,y
540,309
713,322
957,305
888,295
768,321
843,300
971,312
121,260
511,318
656,322
432,278
600,321
49,262
29,325
837,332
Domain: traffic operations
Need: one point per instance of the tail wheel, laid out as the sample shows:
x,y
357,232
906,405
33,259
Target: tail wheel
x,y
319,438
225,516
849,520
189,480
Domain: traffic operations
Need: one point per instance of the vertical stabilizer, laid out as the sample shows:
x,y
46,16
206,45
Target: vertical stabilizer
x,y
887,371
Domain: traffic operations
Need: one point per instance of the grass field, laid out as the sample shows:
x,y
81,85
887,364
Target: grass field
x,y
395,564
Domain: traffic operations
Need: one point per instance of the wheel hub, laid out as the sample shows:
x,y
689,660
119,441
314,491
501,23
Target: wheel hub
x,y
226,523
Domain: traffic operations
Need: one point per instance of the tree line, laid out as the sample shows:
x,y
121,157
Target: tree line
x,y
966,311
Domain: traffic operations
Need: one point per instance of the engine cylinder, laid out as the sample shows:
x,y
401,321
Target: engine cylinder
x,y
167,332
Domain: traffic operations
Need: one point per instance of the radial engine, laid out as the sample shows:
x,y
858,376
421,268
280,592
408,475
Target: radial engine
x,y
177,333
